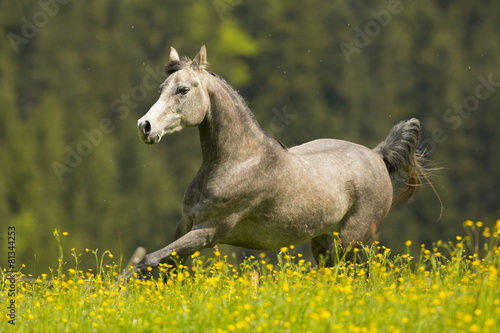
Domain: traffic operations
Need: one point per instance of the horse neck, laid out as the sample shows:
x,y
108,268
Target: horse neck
x,y
229,132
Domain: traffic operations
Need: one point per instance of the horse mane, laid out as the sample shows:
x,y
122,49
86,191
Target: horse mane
x,y
241,100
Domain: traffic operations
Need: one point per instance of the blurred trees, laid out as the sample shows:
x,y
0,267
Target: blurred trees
x,y
76,75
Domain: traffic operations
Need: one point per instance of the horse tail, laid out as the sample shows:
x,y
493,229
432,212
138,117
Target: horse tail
x,y
401,156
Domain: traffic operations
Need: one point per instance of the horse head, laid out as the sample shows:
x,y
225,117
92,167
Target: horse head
x,y
183,100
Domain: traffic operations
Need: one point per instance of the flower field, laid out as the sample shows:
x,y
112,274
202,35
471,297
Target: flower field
x,y
454,286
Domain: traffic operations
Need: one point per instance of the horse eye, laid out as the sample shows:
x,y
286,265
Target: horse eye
x,y
182,90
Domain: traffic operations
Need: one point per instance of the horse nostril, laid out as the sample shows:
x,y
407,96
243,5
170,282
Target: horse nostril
x,y
146,127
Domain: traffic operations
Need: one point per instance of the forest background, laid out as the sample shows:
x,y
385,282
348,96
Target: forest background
x,y
76,75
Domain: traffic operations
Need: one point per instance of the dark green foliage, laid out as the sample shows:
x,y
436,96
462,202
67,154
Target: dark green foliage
x,y
72,89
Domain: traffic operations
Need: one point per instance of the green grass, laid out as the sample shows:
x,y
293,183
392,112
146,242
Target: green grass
x,y
450,287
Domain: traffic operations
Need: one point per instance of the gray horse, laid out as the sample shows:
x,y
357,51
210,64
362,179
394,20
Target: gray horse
x,y
252,191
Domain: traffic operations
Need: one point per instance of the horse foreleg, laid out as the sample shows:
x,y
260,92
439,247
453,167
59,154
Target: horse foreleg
x,y
187,244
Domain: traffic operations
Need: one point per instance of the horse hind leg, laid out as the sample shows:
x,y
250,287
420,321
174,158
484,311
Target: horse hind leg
x,y
330,249
359,229
326,250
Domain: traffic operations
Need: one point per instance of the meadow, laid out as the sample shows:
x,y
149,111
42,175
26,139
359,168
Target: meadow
x,y
453,286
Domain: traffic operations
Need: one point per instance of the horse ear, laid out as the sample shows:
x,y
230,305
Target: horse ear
x,y
174,56
200,61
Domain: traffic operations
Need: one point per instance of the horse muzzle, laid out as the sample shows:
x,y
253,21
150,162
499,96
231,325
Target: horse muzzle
x,y
146,135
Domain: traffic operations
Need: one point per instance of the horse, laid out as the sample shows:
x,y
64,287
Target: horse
x,y
252,191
